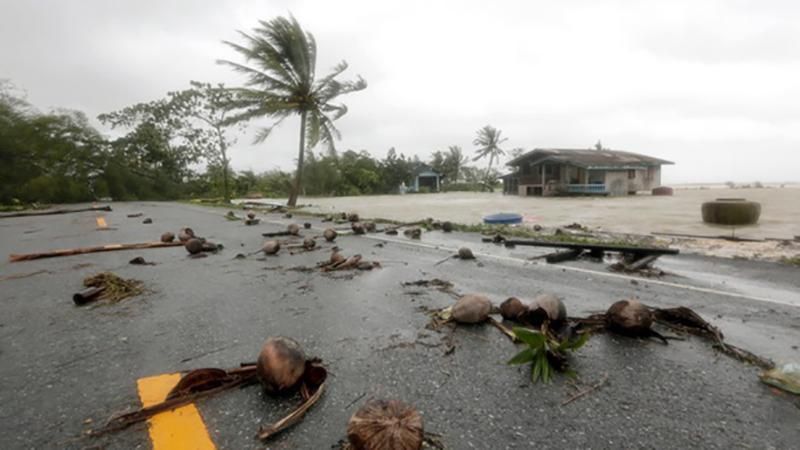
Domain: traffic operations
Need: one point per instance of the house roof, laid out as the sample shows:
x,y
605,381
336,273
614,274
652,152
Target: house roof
x,y
589,159
423,168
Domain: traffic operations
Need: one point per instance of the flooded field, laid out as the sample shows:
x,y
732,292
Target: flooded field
x,y
640,214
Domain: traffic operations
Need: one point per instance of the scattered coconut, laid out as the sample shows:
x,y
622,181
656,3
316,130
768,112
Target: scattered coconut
x,y
391,231
336,257
513,309
358,228
293,229
271,247
352,217
167,237
184,234
330,234
413,233
281,364
251,215
211,247
309,243
631,318
447,226
546,307
386,425
288,215
147,220
370,227
465,253
307,225
472,308
194,246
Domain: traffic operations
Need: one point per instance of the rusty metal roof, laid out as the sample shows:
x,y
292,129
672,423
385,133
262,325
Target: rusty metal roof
x,y
590,159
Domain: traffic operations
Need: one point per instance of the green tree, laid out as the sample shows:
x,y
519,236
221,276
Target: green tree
x,y
488,141
281,82
455,160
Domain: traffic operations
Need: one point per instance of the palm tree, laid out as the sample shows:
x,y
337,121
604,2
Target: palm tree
x,y
280,62
456,160
488,141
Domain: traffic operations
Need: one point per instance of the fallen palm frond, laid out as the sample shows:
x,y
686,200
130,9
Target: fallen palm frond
x,y
97,249
114,288
311,389
545,352
586,391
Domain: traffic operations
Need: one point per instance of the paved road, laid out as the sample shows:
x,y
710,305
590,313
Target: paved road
x,y
62,364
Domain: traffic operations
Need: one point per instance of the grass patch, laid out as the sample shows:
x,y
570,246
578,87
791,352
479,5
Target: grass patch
x,y
793,261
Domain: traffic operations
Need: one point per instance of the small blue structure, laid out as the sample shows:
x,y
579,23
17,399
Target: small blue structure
x,y
502,219
425,177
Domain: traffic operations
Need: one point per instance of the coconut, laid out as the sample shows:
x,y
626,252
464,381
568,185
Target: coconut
x,y
307,225
546,307
293,229
629,317
353,217
184,234
194,246
167,237
271,247
472,308
385,425
330,234
336,257
369,226
447,226
413,233
465,253
309,243
251,215
358,228
281,364
513,309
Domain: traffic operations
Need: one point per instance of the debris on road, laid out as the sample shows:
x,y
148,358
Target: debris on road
x,y
87,295
84,250
167,237
785,377
54,211
463,253
281,364
330,234
184,234
140,261
545,352
385,424
134,215
271,247
111,287
358,228
631,318
413,233
293,229
147,221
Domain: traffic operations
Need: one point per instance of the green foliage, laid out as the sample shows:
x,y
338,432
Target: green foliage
x,y
545,353
280,65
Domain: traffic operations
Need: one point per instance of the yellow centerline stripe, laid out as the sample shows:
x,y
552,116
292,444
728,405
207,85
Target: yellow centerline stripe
x,y
101,222
179,429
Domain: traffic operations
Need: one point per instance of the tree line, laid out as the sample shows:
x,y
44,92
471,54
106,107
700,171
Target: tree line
x,y
177,146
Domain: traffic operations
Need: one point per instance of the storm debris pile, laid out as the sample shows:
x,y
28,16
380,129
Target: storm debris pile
x,y
114,288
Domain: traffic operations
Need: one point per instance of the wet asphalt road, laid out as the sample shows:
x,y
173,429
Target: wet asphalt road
x,y
62,364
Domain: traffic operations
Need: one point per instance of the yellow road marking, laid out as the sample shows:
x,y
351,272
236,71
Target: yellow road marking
x,y
101,222
179,429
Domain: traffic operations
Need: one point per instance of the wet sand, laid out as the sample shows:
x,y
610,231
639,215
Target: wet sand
x,y
640,214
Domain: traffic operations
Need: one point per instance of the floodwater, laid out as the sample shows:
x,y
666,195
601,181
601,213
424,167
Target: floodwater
x,y
640,214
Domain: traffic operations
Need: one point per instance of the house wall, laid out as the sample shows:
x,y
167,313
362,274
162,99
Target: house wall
x,y
617,182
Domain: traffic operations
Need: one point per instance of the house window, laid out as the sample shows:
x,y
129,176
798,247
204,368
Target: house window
x,y
631,174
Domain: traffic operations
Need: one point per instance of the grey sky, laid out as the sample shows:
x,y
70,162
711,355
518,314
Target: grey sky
x,y
711,85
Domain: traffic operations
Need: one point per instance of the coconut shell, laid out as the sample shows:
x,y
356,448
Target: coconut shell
x,y
271,247
629,317
194,246
281,364
336,257
386,425
513,309
370,227
251,215
353,217
309,243
546,307
447,226
358,228
472,308
185,234
167,237
293,229
330,234
465,253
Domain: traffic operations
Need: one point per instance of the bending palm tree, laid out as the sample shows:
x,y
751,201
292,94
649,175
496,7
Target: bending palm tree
x,y
280,60
488,141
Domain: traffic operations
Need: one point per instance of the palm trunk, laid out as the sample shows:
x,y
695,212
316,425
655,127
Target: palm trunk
x,y
301,153
223,151
486,183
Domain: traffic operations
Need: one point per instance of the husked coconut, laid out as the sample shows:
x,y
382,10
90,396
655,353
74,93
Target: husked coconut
x,y
386,425
184,234
353,217
546,307
280,364
358,228
447,226
194,246
631,318
309,243
330,234
465,253
336,257
513,309
251,215
293,229
271,247
167,237
472,308
370,227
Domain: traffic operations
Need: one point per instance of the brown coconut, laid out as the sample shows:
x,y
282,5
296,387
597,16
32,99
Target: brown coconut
x,y
447,226
513,308
309,243
184,234
629,317
251,215
465,253
293,229
386,425
546,307
353,217
281,364
167,237
472,308
194,246
358,228
370,227
336,257
330,234
271,247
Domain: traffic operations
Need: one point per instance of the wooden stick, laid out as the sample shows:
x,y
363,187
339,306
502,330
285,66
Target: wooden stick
x,y
54,211
295,416
102,248
586,391
504,329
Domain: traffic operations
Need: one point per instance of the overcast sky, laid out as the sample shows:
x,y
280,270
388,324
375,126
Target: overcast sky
x,y
711,85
